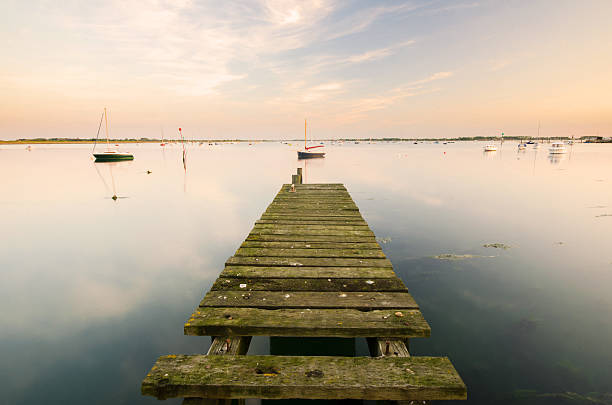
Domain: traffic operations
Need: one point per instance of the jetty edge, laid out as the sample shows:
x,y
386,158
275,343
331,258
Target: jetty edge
x,y
310,267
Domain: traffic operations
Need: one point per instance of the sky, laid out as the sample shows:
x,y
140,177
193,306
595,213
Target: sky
x,y
256,69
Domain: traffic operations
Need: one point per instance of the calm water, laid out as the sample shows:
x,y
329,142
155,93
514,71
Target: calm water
x,y
93,290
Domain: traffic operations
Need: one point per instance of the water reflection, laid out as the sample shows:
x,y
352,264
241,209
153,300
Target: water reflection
x,y
489,154
93,292
111,176
556,158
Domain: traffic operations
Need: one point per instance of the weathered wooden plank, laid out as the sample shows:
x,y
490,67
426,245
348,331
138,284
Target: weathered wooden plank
x,y
301,193
275,252
279,272
323,196
309,245
352,216
309,232
310,213
299,221
311,220
305,189
313,194
306,261
315,227
213,321
347,206
312,377
291,198
309,299
393,284
310,238
333,208
220,346
314,187
316,204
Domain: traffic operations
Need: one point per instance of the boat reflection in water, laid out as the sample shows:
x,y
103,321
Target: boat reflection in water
x,y
110,164
556,158
489,154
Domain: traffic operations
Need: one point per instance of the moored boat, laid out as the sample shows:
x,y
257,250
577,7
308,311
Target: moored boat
x,y
310,155
557,148
109,155
306,154
490,148
112,156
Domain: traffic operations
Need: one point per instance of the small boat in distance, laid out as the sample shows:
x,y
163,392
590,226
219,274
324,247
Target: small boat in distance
x,y
306,154
109,155
490,148
557,148
522,146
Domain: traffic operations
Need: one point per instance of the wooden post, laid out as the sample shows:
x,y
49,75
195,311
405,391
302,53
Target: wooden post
x,y
299,173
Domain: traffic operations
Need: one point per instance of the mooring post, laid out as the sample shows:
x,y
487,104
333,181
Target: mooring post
x,y
297,178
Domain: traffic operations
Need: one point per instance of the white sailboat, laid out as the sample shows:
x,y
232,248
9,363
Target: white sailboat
x,y
557,148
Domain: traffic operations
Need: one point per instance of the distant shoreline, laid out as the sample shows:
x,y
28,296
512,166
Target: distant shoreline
x,y
461,139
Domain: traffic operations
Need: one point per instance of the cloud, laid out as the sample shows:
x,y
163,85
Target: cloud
x,y
448,8
358,109
498,64
194,48
433,77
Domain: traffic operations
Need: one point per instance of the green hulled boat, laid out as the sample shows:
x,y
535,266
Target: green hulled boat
x,y
109,155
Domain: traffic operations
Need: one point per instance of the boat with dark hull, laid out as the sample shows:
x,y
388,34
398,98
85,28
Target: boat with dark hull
x,y
306,154
109,155
310,155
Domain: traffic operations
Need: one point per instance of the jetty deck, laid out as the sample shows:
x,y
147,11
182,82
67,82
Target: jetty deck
x,y
310,267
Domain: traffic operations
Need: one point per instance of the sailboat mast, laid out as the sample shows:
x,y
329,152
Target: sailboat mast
x,y
304,133
106,127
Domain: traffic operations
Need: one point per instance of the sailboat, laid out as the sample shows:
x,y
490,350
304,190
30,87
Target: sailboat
x,y
109,155
306,154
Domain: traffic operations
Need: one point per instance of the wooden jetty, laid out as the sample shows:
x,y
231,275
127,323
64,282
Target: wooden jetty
x,y
311,267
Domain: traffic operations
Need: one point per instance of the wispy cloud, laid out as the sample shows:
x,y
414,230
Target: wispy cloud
x,y
445,8
498,64
433,77
326,62
194,47
359,109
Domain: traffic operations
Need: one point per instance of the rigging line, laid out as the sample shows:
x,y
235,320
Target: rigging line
x,y
101,178
110,169
99,126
